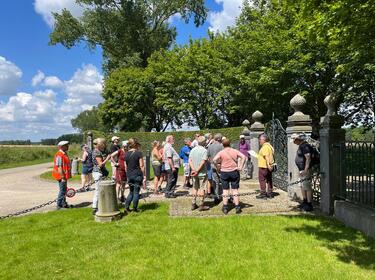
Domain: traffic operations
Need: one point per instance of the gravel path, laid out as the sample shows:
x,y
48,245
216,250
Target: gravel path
x,y
21,188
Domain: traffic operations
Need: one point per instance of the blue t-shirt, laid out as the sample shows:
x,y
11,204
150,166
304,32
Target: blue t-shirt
x,y
184,153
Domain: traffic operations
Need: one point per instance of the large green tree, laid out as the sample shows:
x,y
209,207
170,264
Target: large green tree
x,y
128,31
89,120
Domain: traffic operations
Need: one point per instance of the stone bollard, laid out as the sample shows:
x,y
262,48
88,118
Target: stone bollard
x,y
107,203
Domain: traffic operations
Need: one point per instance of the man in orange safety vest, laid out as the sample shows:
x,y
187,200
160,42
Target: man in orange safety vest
x,y
62,172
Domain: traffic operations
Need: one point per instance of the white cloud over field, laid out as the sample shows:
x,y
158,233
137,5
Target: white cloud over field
x,y
47,112
10,77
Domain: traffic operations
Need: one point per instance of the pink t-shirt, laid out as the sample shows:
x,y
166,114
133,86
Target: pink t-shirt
x,y
229,159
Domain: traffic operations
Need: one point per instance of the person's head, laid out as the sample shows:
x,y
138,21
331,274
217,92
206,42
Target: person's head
x,y
63,145
115,140
298,138
196,135
169,139
100,144
201,140
218,137
155,144
134,143
187,142
84,147
263,138
242,138
125,144
226,142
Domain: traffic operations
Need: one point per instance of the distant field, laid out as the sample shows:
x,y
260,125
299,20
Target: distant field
x,y
16,156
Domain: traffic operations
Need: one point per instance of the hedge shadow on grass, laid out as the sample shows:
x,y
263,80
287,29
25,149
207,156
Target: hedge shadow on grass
x,y
350,245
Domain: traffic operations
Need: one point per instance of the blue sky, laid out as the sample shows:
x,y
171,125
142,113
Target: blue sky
x,y
42,87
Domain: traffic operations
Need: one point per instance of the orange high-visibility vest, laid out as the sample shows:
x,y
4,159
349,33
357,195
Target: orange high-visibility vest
x,y
65,166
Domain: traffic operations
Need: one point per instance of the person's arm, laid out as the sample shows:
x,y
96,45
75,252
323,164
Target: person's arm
x,y
243,159
142,166
113,155
193,171
84,156
217,160
307,164
203,162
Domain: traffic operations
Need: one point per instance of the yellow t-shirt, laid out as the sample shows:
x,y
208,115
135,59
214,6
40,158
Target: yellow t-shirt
x,y
266,149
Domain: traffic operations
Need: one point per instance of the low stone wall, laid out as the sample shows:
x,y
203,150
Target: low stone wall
x,y
355,216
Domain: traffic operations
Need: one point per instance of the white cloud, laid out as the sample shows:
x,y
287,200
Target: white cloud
x,y
37,78
53,82
220,21
46,7
46,113
10,77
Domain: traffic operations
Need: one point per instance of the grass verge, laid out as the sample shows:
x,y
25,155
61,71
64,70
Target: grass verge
x,y
152,245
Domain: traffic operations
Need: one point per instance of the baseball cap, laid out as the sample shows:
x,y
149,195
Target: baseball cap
x,y
62,143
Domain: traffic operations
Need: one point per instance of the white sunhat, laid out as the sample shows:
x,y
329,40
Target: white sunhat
x,y
242,136
115,138
62,143
300,136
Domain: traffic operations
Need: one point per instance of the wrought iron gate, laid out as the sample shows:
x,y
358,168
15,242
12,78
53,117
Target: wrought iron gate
x,y
279,141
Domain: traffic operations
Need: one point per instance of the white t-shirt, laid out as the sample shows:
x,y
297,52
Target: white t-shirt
x,y
170,152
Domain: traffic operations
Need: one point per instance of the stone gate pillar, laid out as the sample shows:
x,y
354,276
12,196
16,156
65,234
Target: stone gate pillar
x,y
256,129
297,123
331,135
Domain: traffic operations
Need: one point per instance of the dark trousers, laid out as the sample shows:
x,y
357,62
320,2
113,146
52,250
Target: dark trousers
x,y
217,189
134,189
265,178
171,181
61,199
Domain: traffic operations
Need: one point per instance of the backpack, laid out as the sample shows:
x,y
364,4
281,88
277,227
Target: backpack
x,y
315,155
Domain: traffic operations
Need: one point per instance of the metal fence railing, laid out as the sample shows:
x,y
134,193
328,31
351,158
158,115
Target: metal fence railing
x,y
357,166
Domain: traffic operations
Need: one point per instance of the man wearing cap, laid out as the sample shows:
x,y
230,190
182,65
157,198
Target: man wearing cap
x,y
244,148
61,172
303,162
115,147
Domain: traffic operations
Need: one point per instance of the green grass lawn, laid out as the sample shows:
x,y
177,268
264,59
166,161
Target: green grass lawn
x,y
25,163
152,245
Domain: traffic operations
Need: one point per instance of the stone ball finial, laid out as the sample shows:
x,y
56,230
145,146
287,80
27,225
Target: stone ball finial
x,y
257,116
332,105
297,103
246,122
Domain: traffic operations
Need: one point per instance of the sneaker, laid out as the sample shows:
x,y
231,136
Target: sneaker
x,y
270,195
194,206
261,196
202,207
67,206
308,207
302,205
238,210
135,210
127,210
94,210
217,201
225,210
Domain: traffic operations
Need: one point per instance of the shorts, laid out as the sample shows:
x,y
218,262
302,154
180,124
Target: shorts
x,y
157,170
230,179
186,170
200,182
306,185
86,170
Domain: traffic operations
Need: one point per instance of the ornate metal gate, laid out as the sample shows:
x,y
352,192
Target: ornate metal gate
x,y
279,141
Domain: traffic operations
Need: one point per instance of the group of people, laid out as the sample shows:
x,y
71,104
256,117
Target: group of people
x,y
210,165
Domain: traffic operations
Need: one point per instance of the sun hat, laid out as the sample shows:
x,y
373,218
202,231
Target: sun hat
x,y
62,143
115,138
242,136
300,136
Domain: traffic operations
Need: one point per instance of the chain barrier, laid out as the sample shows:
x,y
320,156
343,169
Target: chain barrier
x,y
88,189
73,192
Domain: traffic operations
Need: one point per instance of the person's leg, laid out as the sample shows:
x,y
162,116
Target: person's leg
x,y
61,195
175,178
170,180
129,199
262,183
194,193
218,189
96,176
269,183
202,193
83,180
137,189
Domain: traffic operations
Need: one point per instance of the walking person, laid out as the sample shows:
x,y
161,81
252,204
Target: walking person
x,y
172,164
135,170
304,164
265,164
61,172
197,163
99,159
120,170
184,155
87,166
244,148
212,151
156,161
230,173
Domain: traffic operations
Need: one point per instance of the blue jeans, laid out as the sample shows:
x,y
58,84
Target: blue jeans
x,y
134,188
61,199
